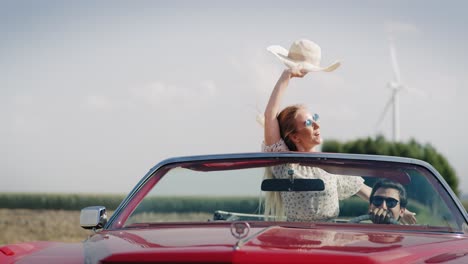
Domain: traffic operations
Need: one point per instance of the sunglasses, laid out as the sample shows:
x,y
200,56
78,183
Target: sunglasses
x,y
378,201
309,122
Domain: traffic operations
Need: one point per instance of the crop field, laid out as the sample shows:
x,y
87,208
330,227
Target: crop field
x,y
25,217
22,225
26,225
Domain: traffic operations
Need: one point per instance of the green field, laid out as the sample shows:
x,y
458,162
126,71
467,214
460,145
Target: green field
x,y
178,204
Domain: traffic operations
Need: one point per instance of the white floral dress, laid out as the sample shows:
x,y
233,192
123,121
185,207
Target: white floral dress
x,y
313,205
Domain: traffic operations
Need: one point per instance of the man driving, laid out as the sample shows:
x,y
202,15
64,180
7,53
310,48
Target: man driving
x,y
387,202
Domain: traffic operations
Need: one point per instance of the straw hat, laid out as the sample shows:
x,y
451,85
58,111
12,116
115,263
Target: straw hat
x,y
303,55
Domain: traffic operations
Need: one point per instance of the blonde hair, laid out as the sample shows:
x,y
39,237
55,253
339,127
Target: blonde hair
x,y
272,204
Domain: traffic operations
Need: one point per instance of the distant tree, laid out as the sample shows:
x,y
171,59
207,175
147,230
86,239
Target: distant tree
x,y
411,149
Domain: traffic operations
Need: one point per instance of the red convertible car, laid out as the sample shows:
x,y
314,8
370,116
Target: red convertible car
x,y
270,208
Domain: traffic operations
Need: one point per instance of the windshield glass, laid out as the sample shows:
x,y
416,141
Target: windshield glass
x,y
299,191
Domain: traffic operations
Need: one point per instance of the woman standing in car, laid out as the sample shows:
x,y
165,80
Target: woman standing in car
x,y
295,128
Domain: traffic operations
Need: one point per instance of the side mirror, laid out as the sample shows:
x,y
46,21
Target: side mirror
x,y
93,217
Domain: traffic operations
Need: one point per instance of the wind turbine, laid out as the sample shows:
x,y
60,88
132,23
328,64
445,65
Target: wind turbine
x,y
395,86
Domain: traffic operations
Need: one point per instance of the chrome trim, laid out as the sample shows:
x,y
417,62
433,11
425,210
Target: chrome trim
x,y
93,217
240,230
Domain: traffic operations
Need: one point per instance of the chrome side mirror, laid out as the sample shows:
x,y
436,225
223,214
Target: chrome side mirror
x,y
93,217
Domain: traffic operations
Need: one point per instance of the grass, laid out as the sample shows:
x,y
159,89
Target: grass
x,y
465,204
25,225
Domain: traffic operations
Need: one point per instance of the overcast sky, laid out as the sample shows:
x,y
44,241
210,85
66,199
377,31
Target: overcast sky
x,y
94,93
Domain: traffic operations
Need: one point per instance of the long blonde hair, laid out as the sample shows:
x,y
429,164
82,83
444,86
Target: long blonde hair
x,y
272,203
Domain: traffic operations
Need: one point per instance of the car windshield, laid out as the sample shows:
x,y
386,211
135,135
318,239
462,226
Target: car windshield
x,y
229,190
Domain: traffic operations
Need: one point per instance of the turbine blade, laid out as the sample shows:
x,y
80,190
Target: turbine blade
x,y
382,116
396,69
417,92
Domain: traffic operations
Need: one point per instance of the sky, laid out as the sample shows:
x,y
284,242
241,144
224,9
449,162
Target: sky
x,y
95,93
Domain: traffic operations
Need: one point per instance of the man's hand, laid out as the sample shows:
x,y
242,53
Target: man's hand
x,y
380,216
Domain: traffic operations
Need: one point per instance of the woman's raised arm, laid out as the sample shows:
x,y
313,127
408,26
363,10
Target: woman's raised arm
x,y
272,130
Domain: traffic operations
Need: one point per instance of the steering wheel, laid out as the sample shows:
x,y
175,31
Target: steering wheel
x,y
367,217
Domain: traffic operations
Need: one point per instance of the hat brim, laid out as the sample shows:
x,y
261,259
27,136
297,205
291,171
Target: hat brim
x,y
282,54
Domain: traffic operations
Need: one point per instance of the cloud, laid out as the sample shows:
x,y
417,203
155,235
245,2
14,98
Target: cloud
x,y
23,100
154,93
23,114
394,27
259,70
159,94
97,102
208,87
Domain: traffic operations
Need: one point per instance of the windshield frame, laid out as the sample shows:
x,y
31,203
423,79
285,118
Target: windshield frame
x,y
330,161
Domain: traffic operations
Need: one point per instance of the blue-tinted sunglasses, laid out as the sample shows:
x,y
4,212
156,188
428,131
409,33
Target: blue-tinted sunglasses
x,y
378,201
309,122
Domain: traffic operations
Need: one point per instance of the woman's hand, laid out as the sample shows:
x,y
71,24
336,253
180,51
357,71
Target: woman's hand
x,y
408,218
296,72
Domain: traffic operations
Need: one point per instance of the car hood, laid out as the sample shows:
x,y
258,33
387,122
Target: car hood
x,y
275,244
42,252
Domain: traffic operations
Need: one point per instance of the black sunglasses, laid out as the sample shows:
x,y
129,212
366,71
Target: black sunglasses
x,y
378,201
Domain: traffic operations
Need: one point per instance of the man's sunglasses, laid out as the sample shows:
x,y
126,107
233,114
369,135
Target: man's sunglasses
x,y
378,201
310,121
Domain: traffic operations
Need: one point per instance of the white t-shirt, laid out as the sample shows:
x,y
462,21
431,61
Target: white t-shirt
x,y
313,205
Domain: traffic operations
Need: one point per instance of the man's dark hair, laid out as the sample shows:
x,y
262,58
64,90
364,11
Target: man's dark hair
x,y
385,183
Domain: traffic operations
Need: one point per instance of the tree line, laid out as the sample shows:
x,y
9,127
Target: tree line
x,y
411,149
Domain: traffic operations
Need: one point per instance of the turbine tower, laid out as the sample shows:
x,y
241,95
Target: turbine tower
x,y
395,86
